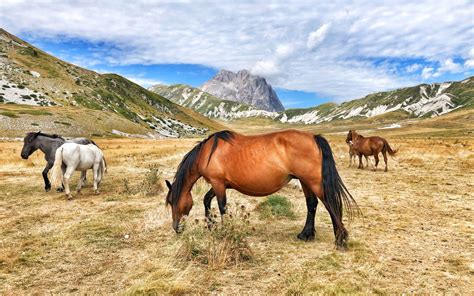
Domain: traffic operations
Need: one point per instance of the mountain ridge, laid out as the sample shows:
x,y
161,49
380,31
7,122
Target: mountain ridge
x,y
423,100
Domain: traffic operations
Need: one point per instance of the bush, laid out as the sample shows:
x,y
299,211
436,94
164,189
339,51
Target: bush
x,y
222,245
276,206
150,186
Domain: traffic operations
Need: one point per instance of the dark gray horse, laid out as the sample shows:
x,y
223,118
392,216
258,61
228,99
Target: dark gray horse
x,y
48,144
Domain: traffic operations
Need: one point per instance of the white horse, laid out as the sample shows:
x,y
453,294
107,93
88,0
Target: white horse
x,y
72,157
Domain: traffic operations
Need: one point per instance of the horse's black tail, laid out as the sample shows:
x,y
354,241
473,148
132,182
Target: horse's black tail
x,y
388,148
336,195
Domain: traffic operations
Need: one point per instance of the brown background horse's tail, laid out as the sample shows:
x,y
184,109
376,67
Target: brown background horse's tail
x,y
336,194
389,149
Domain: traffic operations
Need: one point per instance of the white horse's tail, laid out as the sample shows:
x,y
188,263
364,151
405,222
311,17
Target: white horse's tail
x,y
103,165
57,175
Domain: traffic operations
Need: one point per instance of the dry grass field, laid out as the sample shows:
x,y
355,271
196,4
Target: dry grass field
x,y
415,234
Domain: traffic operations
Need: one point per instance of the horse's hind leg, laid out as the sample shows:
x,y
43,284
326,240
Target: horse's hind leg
x,y
385,159
376,156
367,161
360,162
81,182
96,175
340,232
311,205
83,178
207,206
67,175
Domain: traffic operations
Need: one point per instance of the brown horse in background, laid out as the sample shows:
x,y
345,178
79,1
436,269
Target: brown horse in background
x,y
353,154
369,146
261,165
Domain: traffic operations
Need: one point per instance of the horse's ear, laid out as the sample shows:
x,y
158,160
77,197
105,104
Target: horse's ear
x,y
168,184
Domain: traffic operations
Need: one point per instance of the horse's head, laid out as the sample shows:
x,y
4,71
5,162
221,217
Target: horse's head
x,y
349,137
180,205
29,144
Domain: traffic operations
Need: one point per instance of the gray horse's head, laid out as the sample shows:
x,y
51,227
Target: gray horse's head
x,y
32,142
29,144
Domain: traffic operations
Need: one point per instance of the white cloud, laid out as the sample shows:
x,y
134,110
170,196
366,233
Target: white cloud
x,y
276,40
145,82
266,68
413,68
317,37
449,65
427,72
469,64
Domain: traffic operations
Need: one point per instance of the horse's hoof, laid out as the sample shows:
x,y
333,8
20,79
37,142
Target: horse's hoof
x,y
79,192
47,189
97,192
341,246
60,190
68,196
306,236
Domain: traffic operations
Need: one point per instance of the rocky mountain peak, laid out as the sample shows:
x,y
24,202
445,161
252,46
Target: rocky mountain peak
x,y
243,87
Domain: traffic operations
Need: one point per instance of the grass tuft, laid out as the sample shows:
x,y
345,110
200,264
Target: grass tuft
x,y
276,206
224,244
150,186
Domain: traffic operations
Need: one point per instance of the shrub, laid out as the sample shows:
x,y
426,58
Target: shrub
x,y
222,245
276,206
150,186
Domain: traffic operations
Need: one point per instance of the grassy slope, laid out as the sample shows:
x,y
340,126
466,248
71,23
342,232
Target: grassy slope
x,y
69,85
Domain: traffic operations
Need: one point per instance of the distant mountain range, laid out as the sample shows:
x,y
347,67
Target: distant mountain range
x,y
243,87
207,104
425,100
30,76
41,92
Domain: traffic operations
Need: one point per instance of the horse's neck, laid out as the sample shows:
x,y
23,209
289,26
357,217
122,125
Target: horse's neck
x,y
48,145
191,179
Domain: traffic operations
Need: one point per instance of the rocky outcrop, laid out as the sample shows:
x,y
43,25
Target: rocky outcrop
x,y
243,87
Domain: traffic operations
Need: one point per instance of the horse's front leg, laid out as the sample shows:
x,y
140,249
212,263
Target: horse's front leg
x,y
47,184
207,207
360,162
219,190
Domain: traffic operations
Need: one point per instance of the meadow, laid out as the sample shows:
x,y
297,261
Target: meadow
x,y
414,234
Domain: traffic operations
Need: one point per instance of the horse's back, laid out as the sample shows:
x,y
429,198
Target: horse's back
x,y
81,156
261,164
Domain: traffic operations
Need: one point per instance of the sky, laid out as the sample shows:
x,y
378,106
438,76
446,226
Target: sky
x,y
310,52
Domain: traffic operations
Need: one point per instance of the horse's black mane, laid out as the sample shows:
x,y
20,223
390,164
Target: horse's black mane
x,y
53,136
189,160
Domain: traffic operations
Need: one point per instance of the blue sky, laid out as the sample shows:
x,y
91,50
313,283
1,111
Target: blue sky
x,y
311,53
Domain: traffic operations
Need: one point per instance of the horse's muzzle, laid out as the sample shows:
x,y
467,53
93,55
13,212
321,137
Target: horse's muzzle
x,y
24,156
177,227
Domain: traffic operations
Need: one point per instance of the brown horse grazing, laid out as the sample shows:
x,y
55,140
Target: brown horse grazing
x,y
261,165
369,146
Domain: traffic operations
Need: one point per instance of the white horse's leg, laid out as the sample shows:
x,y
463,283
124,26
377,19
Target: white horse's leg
x,y
69,171
83,178
96,173
81,182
